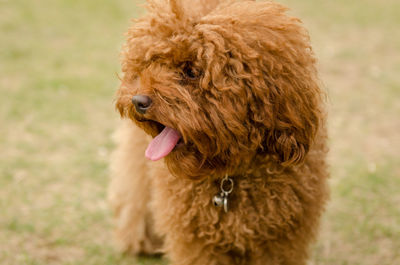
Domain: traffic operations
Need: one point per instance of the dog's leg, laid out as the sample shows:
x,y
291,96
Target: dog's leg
x,y
130,194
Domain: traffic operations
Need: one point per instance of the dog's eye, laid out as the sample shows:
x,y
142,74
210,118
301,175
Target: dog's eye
x,y
189,71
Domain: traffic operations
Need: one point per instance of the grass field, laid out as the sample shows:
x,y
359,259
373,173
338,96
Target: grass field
x,y
58,74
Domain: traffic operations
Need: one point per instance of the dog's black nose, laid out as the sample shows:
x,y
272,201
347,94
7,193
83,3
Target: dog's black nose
x,y
142,103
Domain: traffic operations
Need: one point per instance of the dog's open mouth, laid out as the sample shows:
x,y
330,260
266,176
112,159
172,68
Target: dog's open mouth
x,y
163,143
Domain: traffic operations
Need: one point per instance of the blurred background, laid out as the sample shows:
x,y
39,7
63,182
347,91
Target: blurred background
x,y
59,62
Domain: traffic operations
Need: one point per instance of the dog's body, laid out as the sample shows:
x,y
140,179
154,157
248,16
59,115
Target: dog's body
x,y
231,92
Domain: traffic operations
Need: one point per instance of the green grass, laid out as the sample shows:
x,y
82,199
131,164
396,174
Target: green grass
x,y
59,62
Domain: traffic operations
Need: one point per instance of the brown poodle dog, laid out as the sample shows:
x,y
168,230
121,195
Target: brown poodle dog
x,y
227,98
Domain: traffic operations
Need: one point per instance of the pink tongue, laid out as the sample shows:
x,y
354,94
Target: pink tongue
x,y
162,144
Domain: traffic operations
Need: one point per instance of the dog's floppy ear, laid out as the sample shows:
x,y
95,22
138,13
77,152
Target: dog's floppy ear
x,y
293,123
289,146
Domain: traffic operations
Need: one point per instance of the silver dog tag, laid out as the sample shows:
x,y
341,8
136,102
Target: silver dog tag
x,y
226,203
219,200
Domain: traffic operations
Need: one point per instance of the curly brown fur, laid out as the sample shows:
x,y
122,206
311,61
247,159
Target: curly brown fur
x,y
237,79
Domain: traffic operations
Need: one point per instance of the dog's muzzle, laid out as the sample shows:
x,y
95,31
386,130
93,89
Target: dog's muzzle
x,y
142,103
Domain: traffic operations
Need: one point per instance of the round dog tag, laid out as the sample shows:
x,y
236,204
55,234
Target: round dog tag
x,y
218,200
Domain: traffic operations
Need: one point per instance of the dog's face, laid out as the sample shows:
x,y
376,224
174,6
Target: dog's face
x,y
222,91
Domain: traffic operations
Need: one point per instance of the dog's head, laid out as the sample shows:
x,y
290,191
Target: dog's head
x,y
221,90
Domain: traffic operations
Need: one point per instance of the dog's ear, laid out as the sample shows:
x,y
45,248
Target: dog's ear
x,y
293,123
271,57
289,146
